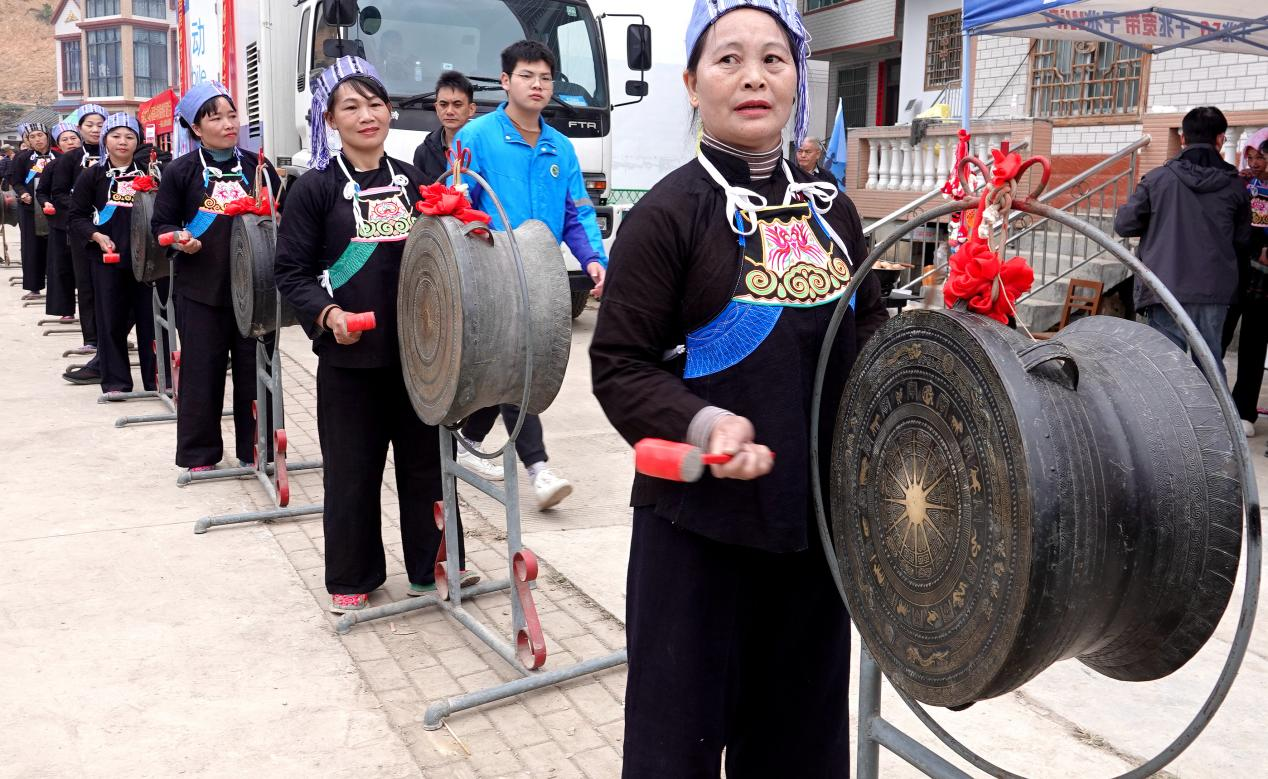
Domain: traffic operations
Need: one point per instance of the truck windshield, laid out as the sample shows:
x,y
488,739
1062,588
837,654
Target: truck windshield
x,y
419,39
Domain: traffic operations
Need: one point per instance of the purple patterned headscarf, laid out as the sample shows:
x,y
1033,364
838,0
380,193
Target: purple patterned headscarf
x,y
86,110
324,86
706,12
120,119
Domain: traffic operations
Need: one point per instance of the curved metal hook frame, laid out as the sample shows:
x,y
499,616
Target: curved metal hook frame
x,y
1206,362
526,324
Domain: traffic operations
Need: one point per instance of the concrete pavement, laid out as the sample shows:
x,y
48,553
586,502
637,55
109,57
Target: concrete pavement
x,y
135,647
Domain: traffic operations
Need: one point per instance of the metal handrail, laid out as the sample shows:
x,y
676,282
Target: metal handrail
x,y
925,198
1124,153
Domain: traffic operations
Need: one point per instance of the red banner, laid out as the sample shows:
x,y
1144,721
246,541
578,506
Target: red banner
x,y
158,111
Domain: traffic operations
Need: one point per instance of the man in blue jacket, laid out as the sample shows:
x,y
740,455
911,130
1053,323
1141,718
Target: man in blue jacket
x,y
535,172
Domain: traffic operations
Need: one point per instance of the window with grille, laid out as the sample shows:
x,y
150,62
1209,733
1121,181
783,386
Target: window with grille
x,y
943,46
852,89
72,68
815,5
154,9
101,8
1081,79
149,61
105,76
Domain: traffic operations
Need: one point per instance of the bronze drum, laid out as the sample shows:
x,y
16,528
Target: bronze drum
x,y
998,504
251,277
460,316
150,261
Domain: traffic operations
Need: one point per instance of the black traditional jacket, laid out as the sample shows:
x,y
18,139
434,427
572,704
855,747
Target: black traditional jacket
x,y
676,267
317,231
185,202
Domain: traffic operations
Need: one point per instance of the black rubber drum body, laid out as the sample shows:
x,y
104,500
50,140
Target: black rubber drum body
x,y
461,318
998,504
251,277
149,260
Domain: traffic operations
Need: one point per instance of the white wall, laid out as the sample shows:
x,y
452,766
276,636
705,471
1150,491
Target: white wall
x,y
915,32
857,22
1001,78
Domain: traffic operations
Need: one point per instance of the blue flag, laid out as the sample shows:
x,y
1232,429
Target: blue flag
x,y
837,147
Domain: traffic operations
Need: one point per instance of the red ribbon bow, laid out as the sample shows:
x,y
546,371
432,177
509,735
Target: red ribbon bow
x,y
1006,168
250,205
442,200
143,184
986,283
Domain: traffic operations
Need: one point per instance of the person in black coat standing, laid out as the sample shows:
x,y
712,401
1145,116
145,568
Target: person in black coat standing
x,y
28,167
455,105
100,224
1192,216
191,203
339,251
60,300
89,119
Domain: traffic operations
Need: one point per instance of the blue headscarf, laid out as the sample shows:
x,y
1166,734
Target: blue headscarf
x,y
26,128
324,86
706,12
86,110
197,96
115,121
64,127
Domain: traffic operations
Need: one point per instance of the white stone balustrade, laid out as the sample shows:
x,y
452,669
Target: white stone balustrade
x,y
894,165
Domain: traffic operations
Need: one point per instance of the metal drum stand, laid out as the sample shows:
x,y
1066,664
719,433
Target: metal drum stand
x,y
272,475
526,652
873,730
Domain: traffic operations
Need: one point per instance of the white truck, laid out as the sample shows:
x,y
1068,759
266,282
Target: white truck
x,y
268,52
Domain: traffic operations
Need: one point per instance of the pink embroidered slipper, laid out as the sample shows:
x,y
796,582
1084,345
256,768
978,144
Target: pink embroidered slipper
x,y
342,604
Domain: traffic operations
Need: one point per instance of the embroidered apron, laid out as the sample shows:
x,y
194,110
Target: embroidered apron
x,y
119,195
381,215
757,357
221,187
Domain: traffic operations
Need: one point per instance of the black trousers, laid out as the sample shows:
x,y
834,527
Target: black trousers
x,y
60,300
34,251
82,261
359,412
210,343
530,445
1251,352
732,647
120,302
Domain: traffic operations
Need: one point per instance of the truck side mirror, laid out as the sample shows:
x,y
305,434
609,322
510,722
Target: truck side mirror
x,y
638,47
636,88
334,48
341,13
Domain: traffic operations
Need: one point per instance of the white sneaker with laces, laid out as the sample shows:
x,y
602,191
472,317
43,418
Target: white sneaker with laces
x,y
550,488
1248,428
488,469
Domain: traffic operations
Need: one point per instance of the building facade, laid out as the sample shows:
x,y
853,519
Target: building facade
x,y
118,53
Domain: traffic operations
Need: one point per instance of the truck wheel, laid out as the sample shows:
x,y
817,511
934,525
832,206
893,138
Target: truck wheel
x,y
579,298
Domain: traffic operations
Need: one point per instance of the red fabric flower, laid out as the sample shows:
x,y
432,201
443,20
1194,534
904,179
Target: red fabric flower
x,y
247,205
1006,168
986,283
144,184
442,200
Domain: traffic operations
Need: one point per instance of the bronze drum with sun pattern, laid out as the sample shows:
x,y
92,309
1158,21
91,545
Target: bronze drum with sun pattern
x,y
999,504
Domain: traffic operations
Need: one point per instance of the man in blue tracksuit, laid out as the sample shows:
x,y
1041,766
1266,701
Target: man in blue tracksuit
x,y
535,172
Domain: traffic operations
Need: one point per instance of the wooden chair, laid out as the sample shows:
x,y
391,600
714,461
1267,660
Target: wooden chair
x,y
1083,296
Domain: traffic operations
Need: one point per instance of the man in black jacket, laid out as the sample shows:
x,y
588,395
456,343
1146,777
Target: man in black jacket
x,y
1192,216
455,105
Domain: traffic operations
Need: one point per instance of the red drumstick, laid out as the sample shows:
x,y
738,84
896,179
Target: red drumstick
x,y
110,258
674,461
49,209
359,322
167,239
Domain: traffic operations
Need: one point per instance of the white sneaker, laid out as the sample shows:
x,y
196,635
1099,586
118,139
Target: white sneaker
x,y
1248,428
550,489
488,469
